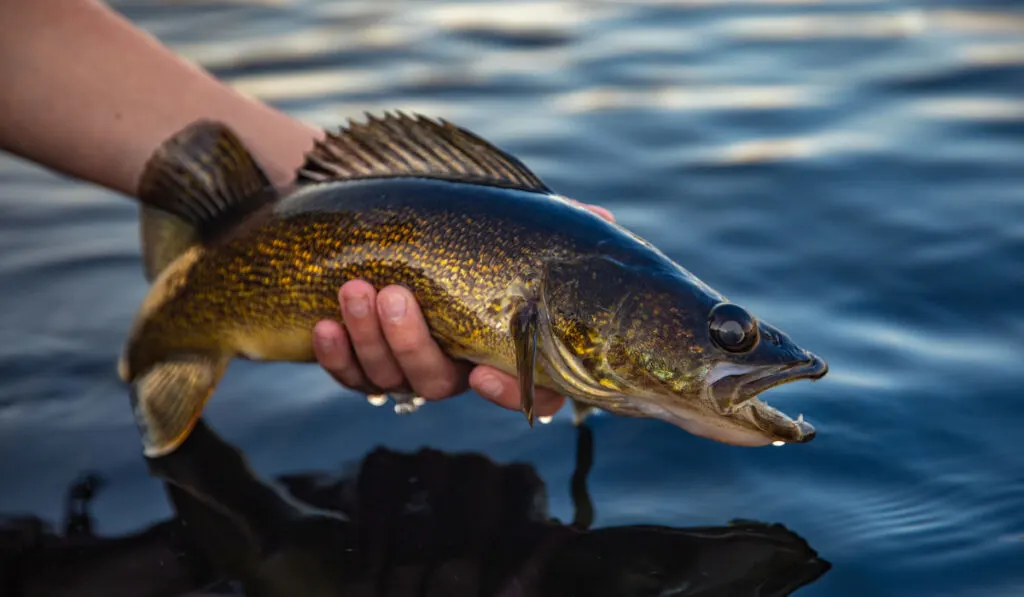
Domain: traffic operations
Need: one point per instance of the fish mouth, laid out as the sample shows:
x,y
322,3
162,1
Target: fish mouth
x,y
735,390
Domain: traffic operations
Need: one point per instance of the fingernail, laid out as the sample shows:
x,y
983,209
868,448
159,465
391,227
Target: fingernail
x,y
490,387
358,306
393,305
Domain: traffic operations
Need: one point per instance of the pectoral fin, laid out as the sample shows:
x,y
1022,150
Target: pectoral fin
x,y
168,399
524,331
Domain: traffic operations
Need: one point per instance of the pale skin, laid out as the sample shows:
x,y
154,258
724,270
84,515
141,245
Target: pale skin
x,y
88,94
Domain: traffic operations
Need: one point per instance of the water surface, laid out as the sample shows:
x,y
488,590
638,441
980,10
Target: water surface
x,y
850,171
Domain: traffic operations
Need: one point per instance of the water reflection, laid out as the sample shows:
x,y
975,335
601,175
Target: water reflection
x,y
423,523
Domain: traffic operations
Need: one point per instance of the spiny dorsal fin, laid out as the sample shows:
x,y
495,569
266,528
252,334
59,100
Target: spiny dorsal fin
x,y
204,175
397,145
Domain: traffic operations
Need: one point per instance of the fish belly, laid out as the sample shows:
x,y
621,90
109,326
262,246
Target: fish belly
x,y
292,344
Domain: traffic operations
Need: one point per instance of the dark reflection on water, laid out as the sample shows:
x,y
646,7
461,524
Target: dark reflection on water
x,y
851,170
423,523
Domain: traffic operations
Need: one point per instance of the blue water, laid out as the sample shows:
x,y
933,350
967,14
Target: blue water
x,y
852,172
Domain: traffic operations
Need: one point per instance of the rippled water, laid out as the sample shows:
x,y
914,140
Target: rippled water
x,y
851,171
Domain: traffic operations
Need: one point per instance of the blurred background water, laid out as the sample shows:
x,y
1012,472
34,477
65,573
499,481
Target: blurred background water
x,y
852,171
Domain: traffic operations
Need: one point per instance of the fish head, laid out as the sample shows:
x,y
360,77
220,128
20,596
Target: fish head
x,y
659,343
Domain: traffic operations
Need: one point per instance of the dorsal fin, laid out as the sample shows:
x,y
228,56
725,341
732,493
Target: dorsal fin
x,y
398,145
204,175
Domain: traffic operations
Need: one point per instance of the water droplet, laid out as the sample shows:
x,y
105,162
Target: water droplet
x,y
778,443
377,399
544,420
405,408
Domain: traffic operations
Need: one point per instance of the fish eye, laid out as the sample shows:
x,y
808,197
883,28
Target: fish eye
x,y
732,328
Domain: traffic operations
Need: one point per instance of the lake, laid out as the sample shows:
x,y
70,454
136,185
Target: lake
x,y
851,171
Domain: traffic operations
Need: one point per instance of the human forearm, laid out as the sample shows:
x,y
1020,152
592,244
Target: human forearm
x,y
88,94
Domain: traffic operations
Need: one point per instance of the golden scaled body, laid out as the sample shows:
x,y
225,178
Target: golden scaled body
x,y
259,292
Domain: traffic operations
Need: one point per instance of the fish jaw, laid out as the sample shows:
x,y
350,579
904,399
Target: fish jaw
x,y
730,411
724,406
699,422
734,387
734,392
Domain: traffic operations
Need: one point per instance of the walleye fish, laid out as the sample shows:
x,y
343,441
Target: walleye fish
x,y
507,273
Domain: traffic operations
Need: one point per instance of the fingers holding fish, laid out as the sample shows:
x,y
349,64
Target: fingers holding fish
x,y
503,390
334,352
431,373
546,403
358,301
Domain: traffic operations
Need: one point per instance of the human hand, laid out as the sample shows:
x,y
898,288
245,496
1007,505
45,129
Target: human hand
x,y
387,347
